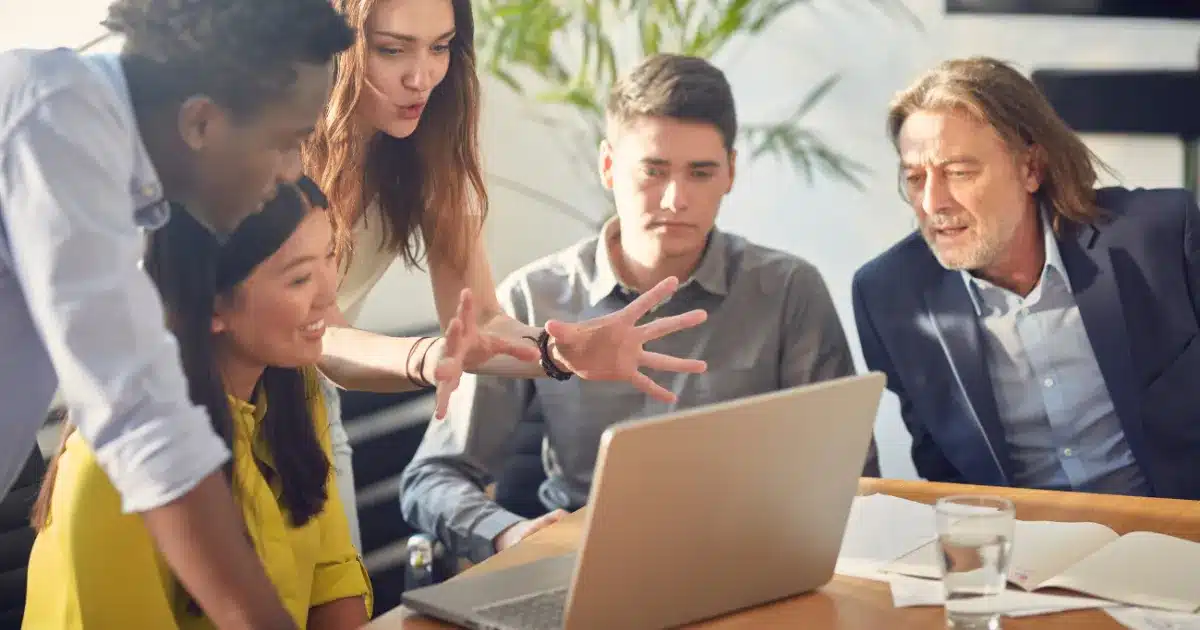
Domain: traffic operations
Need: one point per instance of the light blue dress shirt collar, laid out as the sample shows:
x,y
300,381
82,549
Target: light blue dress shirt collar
x,y
1052,264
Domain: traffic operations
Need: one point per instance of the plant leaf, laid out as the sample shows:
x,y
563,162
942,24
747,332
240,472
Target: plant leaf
x,y
815,96
651,38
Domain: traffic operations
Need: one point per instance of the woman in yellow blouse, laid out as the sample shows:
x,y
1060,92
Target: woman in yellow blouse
x,y
249,317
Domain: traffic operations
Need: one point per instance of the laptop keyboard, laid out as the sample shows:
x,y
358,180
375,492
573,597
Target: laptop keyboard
x,y
536,611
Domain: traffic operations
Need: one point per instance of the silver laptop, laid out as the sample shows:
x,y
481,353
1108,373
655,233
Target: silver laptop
x,y
692,515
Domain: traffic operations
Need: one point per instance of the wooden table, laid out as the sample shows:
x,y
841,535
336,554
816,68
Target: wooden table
x,y
847,603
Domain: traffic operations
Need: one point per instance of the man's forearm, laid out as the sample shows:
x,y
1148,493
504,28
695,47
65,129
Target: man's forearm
x,y
445,497
368,362
204,540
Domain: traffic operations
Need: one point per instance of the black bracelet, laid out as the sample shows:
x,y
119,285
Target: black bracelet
x,y
420,380
552,370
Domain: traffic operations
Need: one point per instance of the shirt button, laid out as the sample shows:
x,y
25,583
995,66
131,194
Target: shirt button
x,y
1048,382
148,190
1068,452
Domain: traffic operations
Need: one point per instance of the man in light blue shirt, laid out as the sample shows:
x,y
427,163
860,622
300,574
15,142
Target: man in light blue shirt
x,y
1059,421
1038,331
206,105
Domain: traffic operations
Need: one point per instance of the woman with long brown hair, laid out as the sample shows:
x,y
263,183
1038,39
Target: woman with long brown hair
x,y
397,151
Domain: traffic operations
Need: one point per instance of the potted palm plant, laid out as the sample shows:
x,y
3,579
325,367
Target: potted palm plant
x,y
564,55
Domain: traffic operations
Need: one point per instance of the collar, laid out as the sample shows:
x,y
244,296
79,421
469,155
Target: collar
x,y
247,420
1053,262
151,208
712,274
249,413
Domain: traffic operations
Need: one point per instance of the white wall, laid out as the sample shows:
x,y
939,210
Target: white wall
x,y
48,23
832,225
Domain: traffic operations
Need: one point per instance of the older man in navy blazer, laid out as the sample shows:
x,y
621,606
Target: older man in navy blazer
x,y
1038,332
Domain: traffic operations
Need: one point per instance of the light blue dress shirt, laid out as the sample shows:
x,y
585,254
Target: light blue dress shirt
x,y
77,312
1062,430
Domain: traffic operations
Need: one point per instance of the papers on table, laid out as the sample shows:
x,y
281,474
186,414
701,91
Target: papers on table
x,y
911,591
882,529
1150,619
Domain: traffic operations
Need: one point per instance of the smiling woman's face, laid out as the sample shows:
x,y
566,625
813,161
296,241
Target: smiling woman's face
x,y
276,316
407,56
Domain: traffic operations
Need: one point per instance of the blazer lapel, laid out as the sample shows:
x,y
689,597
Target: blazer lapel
x,y
1097,294
957,326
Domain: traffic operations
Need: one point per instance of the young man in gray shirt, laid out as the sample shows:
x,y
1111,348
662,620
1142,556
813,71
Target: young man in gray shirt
x,y
669,161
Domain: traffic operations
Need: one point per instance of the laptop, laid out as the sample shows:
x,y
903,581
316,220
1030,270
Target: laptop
x,y
692,515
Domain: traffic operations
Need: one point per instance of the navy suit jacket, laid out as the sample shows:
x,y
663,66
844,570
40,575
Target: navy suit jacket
x,y
1136,278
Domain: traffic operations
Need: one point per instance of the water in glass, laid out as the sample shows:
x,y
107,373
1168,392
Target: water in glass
x,y
975,540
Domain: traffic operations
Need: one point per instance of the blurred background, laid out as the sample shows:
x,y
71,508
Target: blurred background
x,y
812,80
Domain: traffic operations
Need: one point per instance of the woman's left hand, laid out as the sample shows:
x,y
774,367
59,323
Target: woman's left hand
x,y
465,347
609,348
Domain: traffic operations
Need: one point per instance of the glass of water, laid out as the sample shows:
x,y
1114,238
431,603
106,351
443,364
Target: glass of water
x,y
975,536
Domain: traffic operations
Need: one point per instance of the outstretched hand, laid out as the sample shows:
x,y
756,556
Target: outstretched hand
x,y
610,348
465,347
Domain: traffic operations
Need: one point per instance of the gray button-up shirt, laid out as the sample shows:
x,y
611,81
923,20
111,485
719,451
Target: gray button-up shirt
x,y
77,313
1059,421
771,325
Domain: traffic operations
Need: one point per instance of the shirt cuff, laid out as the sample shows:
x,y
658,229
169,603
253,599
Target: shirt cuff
x,y
162,460
342,580
483,536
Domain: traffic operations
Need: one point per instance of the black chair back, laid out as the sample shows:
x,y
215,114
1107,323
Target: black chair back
x,y
16,539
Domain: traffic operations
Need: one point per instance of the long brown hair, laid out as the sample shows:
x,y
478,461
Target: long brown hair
x,y
993,92
429,186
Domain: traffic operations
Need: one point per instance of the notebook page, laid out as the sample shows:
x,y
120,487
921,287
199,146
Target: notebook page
x,y
1140,568
1043,549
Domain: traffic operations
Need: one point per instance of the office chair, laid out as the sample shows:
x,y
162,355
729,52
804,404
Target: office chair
x,y
16,539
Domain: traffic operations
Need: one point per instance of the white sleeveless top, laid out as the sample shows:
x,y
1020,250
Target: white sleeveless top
x,y
369,262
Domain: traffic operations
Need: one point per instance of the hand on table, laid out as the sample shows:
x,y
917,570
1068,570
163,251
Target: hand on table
x,y
517,532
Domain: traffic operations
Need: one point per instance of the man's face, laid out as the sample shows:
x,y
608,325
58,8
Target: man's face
x,y
970,191
240,164
668,177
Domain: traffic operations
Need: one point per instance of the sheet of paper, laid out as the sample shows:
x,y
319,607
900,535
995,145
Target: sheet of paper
x,y
1150,619
880,529
911,591
861,568
922,562
1043,549
1142,569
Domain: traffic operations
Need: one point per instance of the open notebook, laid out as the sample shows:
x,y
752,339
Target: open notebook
x,y
1139,568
